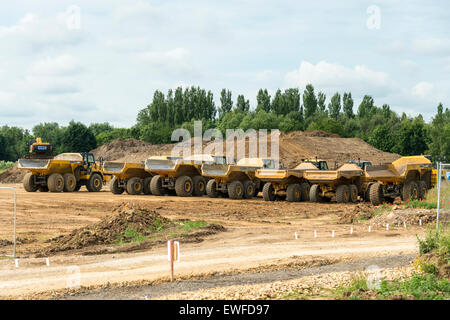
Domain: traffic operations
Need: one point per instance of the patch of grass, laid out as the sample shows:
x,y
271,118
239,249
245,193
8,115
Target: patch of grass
x,y
158,226
420,204
381,209
5,165
188,225
131,235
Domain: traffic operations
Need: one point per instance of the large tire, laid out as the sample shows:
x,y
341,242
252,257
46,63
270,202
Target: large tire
x,y
314,193
376,194
211,189
305,188
353,193
70,182
135,186
199,186
268,192
236,190
293,193
156,186
249,189
184,186
77,173
28,183
147,190
114,186
410,190
55,182
422,185
95,183
342,193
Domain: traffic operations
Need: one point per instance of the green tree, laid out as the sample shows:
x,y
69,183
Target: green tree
x,y
347,101
242,105
309,102
77,138
321,100
263,101
334,106
226,102
439,138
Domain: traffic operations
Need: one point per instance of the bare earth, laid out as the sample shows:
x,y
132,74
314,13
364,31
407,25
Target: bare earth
x,y
259,239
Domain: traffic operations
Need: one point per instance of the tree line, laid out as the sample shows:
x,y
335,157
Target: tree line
x,y
287,110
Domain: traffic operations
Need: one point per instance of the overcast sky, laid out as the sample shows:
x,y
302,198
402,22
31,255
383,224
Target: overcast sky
x,y
102,60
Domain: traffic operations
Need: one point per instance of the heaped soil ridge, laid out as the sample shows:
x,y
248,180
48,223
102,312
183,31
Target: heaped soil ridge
x,y
129,224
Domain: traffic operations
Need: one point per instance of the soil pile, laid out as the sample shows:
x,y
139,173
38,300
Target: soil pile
x,y
293,147
362,211
410,216
111,229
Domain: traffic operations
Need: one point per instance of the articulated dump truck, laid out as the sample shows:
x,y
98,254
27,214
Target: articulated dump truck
x,y
407,177
180,175
343,184
289,183
65,172
130,176
235,180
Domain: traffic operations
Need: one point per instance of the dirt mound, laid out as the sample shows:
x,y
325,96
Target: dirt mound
x,y
293,147
410,216
112,229
362,211
12,175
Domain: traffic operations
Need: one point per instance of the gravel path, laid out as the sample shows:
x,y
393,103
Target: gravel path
x,y
169,289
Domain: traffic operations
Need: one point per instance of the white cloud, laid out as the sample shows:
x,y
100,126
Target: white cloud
x,y
431,46
331,76
60,65
177,60
408,65
423,89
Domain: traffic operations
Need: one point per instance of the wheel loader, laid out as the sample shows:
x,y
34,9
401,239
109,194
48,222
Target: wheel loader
x,y
131,177
235,180
66,172
182,176
289,183
343,184
407,177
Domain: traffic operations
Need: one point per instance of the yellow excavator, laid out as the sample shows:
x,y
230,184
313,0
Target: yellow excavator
x,y
39,149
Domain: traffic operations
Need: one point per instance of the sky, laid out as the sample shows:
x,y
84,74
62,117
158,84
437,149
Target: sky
x,y
102,60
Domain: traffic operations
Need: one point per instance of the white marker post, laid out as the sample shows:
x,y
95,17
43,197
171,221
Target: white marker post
x,y
351,230
47,262
370,228
173,248
315,234
16,262
296,235
387,226
332,233
404,224
420,222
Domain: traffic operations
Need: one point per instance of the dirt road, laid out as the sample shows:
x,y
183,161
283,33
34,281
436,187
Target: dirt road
x,y
260,235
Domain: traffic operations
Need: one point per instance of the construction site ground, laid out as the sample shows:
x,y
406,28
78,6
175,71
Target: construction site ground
x,y
257,247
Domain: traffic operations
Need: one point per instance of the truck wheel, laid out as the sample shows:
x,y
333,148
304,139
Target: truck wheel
x,y
184,186
146,189
94,183
376,194
293,193
249,189
305,188
353,193
410,190
77,173
156,186
211,189
314,193
55,182
114,186
342,193
69,182
28,183
135,186
268,192
236,190
422,189
199,186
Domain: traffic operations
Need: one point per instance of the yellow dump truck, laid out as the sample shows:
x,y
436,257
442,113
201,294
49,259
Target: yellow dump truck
x,y
407,177
65,172
130,176
235,180
180,175
343,184
289,183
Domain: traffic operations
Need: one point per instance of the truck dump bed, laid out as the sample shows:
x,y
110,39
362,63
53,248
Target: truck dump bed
x,y
247,166
283,174
62,163
398,169
125,170
346,171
